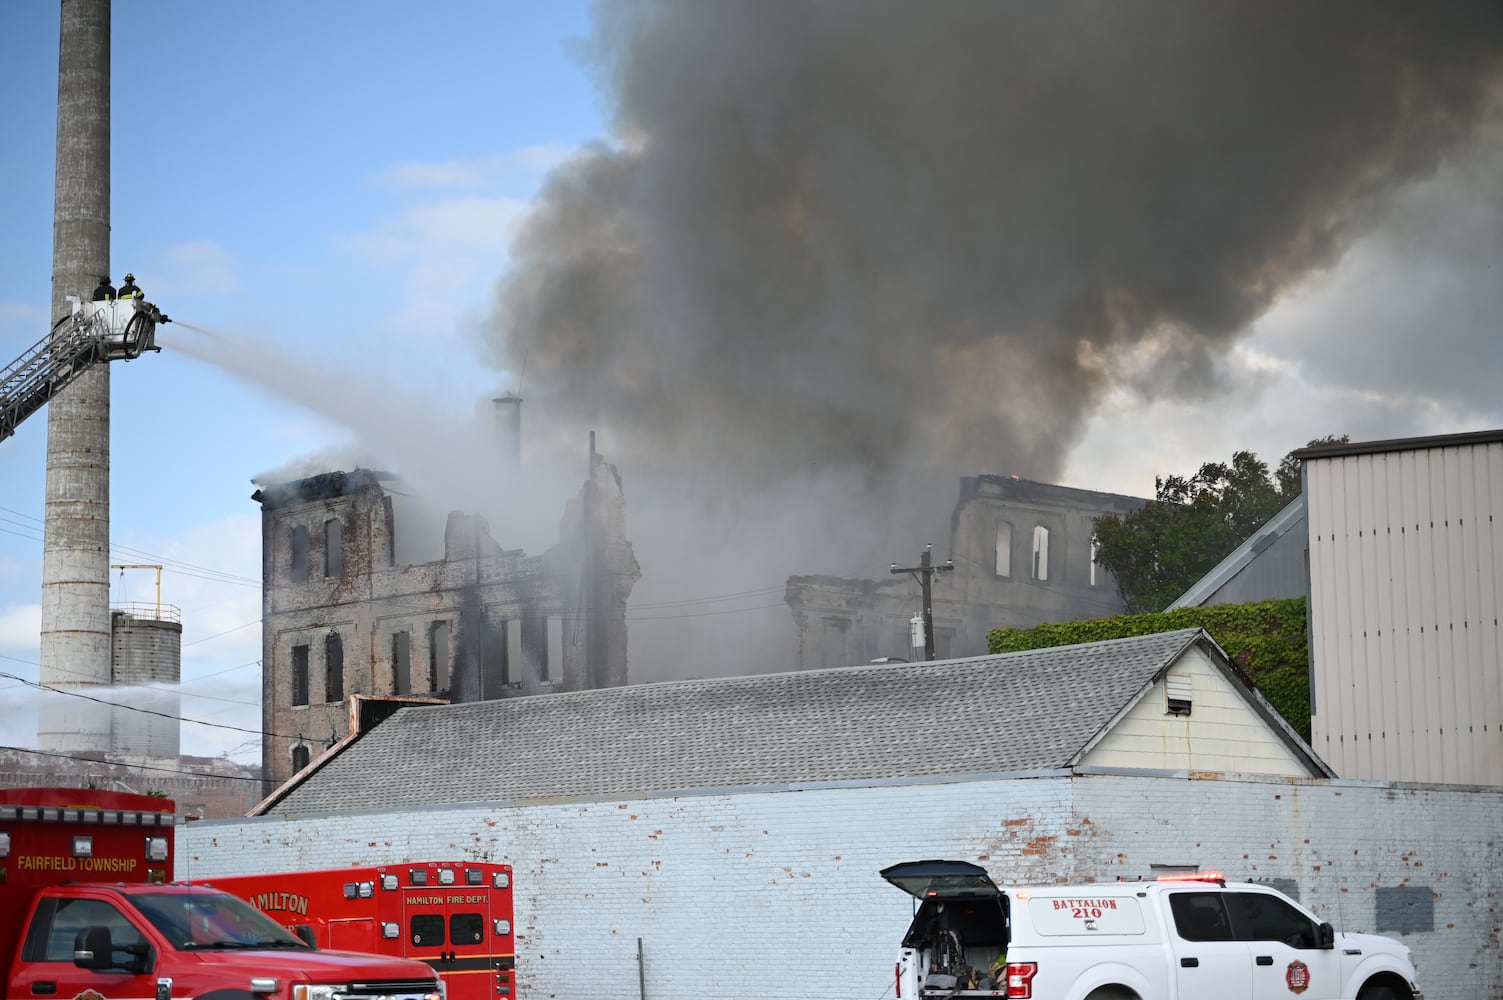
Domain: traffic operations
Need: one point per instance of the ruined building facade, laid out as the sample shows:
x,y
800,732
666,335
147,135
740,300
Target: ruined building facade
x,y
349,635
1024,554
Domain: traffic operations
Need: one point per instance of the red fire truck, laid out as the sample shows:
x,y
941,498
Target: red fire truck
x,y
89,911
454,915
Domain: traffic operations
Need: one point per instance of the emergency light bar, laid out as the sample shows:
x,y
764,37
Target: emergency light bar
x,y
1192,877
108,817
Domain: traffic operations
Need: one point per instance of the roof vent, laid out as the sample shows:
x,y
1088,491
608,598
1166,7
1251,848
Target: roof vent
x,y
1178,694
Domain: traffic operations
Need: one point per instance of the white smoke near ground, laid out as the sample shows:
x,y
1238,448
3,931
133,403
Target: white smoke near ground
x,y
839,255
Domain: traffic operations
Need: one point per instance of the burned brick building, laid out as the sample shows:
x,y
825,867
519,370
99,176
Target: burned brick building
x,y
350,633
1024,553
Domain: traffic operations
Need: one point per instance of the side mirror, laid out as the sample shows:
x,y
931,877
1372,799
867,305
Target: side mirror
x,y
92,949
1325,936
304,933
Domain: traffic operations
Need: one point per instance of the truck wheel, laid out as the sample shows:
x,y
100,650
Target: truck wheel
x,y
1377,992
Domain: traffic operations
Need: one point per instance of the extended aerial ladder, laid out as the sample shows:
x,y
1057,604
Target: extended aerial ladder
x,y
94,333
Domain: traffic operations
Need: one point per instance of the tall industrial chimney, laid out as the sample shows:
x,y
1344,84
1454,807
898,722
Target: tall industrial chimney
x,y
76,546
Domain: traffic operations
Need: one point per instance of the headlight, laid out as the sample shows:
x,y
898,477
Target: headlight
x,y
307,991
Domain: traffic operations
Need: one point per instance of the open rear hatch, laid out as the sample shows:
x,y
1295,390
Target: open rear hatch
x,y
941,879
960,929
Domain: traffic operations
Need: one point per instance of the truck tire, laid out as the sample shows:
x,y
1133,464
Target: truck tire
x,y
1377,992
1112,993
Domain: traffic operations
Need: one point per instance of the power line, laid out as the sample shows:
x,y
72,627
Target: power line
x,y
132,708
137,767
178,565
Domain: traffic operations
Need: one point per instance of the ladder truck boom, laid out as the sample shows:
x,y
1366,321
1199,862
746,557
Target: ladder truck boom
x,y
94,333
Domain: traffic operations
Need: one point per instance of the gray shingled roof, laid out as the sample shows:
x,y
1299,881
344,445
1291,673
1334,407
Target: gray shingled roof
x,y
1028,711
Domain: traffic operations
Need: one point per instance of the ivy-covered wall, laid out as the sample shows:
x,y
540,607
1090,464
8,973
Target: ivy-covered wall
x,y
1267,639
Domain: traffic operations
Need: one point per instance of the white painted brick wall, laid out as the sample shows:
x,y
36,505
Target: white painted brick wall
x,y
746,895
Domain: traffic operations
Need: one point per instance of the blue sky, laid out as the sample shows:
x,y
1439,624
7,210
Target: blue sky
x,y
332,188
331,182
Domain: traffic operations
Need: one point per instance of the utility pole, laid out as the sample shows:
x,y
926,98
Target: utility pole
x,y
922,573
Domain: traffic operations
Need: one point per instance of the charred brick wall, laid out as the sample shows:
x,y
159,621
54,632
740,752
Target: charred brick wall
x,y
341,617
1023,555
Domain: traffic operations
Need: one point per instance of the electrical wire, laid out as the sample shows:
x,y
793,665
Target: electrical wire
x,y
132,708
137,767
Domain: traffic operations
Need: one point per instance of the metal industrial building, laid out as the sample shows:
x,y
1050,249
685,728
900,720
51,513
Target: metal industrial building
x,y
1406,583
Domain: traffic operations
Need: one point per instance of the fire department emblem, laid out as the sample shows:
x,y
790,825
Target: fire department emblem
x,y
1297,976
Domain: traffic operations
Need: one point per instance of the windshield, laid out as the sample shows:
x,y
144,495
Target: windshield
x,y
211,919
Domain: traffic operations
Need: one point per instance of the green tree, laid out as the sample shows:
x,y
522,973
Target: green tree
x,y
1156,553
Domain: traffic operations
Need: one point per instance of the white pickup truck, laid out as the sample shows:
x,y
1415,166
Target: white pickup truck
x,y
1182,937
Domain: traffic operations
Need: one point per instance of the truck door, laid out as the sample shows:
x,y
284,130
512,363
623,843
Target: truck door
x,y
1209,962
470,970
448,925
1285,946
47,968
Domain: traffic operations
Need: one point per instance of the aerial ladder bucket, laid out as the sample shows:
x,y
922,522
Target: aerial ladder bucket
x,y
94,333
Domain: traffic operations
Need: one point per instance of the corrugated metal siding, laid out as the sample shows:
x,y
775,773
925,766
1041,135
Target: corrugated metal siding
x,y
1276,572
1406,553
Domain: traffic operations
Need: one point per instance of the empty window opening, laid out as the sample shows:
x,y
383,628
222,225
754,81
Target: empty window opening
x,y
300,757
553,654
401,662
536,632
832,643
333,548
300,554
1040,552
438,657
513,631
333,667
300,675
1004,549
495,665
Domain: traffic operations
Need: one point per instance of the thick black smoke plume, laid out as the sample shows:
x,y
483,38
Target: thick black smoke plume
x,y
908,240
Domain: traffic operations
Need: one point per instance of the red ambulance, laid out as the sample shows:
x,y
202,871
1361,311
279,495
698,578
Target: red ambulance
x,y
454,915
